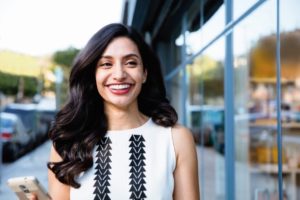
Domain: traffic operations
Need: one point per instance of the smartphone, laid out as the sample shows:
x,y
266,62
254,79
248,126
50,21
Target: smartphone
x,y
25,186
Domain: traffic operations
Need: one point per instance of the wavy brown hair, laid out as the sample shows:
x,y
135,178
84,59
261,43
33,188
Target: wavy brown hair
x,y
81,123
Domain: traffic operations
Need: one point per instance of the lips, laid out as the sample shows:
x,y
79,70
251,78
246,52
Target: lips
x,y
119,89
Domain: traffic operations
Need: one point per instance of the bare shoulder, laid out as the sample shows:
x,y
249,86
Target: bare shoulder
x,y
182,134
182,138
181,130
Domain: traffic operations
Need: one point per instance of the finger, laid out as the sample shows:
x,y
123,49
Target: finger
x,y
32,197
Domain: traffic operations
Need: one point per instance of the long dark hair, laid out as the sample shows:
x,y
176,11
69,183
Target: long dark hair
x,y
81,123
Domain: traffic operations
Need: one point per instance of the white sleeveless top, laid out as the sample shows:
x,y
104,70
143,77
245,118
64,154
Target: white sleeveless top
x,y
130,164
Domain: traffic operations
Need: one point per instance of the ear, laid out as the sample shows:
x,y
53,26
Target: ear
x,y
145,76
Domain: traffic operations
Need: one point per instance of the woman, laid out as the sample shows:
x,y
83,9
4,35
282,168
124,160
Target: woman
x,y
117,137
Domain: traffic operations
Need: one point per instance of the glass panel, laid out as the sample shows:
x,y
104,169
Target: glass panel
x,y
290,74
206,76
240,7
206,118
175,93
169,54
255,105
198,39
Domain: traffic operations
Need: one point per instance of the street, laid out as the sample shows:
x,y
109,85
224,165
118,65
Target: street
x,y
31,164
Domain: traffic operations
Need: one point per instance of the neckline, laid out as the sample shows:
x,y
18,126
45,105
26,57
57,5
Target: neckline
x,y
131,130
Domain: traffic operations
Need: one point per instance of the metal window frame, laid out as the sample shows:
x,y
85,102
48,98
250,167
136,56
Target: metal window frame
x,y
278,100
228,28
229,105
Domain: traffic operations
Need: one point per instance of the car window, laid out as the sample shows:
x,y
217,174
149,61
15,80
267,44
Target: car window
x,y
28,117
6,123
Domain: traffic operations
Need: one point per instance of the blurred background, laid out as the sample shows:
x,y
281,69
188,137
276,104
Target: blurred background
x,y
231,68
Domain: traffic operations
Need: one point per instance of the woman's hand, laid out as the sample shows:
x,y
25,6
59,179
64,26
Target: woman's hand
x,y
33,197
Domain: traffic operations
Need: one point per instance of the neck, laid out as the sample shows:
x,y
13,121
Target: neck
x,y
126,118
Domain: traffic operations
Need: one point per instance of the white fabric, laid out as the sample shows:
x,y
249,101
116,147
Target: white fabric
x,y
159,161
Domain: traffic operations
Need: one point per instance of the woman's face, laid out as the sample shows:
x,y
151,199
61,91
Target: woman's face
x,y
120,73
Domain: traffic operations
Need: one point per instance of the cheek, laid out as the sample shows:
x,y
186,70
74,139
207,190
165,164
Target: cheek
x,y
139,82
139,76
100,78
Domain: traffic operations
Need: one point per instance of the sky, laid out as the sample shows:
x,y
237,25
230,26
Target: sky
x,y
41,27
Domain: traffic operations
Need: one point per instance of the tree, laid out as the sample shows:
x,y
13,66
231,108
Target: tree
x,y
65,57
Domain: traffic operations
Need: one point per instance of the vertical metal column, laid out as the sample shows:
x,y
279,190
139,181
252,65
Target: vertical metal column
x,y
184,74
229,109
202,154
278,98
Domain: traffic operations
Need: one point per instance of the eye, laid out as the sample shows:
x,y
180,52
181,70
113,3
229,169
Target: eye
x,y
105,65
131,63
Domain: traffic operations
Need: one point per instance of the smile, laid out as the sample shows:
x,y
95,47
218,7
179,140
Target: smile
x,y
119,89
119,86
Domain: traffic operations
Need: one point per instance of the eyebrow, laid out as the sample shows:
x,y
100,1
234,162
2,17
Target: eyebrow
x,y
132,55
126,56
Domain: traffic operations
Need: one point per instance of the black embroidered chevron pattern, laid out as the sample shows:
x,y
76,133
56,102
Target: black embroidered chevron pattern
x,y
137,167
102,174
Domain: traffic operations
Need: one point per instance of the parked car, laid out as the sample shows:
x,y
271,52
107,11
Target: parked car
x,y
27,114
46,107
13,135
37,118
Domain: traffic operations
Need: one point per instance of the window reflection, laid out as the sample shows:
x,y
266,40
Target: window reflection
x,y
206,99
256,105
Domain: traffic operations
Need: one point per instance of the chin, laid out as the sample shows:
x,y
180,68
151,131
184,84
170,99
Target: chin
x,y
122,103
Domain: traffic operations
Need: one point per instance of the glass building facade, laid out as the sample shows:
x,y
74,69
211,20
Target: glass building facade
x,y
232,71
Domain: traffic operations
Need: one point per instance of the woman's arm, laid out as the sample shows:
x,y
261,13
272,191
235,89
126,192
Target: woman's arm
x,y
57,190
186,171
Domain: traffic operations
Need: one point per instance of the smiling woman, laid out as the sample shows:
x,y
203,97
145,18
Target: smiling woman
x,y
117,137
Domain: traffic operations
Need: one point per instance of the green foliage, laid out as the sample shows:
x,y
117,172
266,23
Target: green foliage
x,y
30,87
213,88
9,84
65,57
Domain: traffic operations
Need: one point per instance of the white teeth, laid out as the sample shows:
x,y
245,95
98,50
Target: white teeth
x,y
119,87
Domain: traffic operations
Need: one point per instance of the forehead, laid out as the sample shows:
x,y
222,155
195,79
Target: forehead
x,y
121,46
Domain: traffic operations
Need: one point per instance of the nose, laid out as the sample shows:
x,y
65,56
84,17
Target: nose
x,y
119,72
